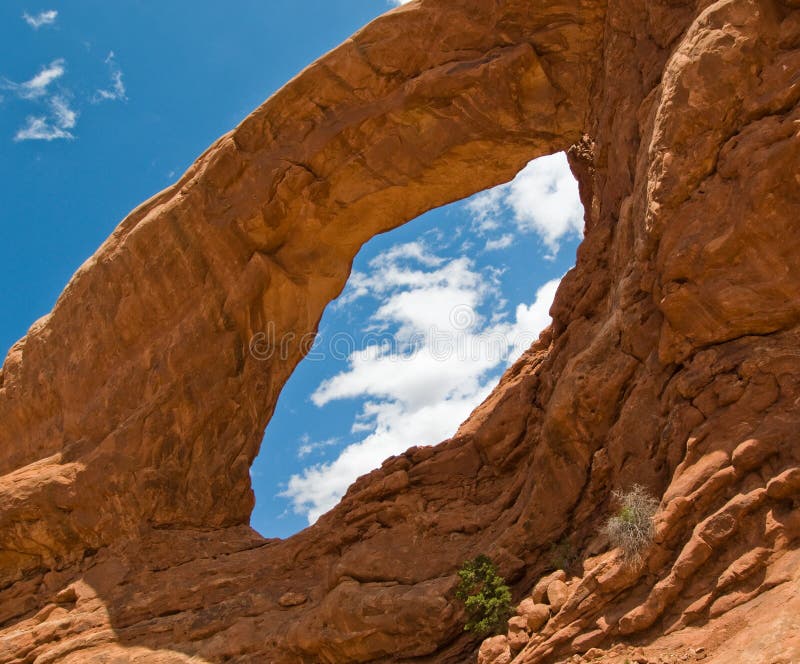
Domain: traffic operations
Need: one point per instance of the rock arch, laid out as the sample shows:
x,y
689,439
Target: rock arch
x,y
131,413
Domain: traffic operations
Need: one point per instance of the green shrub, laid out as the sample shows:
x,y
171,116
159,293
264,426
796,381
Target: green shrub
x,y
486,597
631,528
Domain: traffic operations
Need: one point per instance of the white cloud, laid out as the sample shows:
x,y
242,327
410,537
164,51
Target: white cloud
x,y
41,128
388,274
543,199
64,116
532,318
37,86
36,21
397,3
307,446
395,428
38,128
61,117
416,250
444,362
117,90
503,242
487,207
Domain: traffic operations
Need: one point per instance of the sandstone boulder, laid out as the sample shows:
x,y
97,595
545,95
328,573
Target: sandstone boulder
x,y
536,615
517,633
494,650
539,592
557,594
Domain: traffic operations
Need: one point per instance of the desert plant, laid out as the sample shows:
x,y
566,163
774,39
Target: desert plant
x,y
561,554
486,597
631,528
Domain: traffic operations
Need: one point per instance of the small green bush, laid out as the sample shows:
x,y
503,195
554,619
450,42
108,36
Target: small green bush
x,y
631,528
486,597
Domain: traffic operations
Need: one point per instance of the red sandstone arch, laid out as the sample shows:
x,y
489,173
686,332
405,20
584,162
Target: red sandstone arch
x,y
143,365
131,413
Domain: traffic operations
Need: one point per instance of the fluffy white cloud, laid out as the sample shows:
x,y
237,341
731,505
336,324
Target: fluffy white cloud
x,y
442,362
36,21
487,207
545,199
397,3
532,318
41,128
503,242
117,90
542,199
37,86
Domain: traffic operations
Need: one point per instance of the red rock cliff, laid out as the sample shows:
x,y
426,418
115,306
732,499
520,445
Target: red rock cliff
x,y
131,413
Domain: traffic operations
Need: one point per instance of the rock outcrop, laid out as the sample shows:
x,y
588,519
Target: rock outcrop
x,y
131,413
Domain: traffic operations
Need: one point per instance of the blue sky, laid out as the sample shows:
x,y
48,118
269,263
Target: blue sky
x,y
102,104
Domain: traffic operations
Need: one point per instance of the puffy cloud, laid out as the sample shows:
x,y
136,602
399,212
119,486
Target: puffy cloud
x,y
503,242
61,117
532,318
487,207
542,199
47,17
441,362
38,128
117,90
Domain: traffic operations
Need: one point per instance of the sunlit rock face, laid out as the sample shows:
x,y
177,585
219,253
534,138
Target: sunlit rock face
x,y
131,413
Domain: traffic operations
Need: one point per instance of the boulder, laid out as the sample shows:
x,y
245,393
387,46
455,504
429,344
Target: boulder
x,y
494,650
536,615
539,592
557,595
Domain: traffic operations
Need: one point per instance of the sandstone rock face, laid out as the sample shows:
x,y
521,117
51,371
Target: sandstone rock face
x,y
131,413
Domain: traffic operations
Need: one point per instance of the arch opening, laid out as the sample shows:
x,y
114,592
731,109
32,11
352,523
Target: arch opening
x,y
431,316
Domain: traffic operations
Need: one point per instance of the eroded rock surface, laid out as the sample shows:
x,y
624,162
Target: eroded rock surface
x,y
131,413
